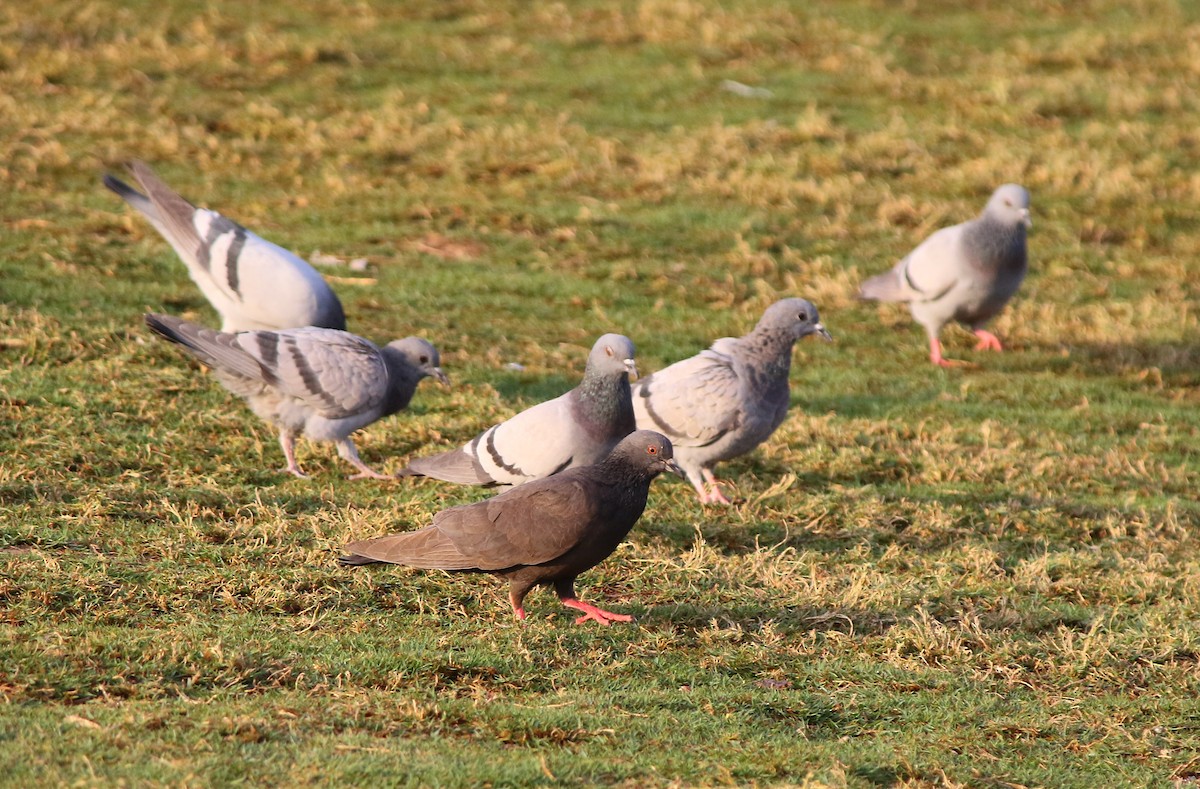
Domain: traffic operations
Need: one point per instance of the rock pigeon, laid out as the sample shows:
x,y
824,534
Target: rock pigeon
x,y
725,401
545,532
964,273
321,383
576,429
252,283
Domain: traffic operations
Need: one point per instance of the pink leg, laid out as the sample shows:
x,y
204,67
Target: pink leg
x,y
935,355
346,449
592,612
289,451
516,598
987,341
715,496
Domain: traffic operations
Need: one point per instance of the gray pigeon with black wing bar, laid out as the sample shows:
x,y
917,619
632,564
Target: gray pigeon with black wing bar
x,y
252,283
576,429
965,273
726,400
320,383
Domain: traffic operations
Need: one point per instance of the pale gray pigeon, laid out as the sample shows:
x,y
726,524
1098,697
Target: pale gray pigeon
x,y
964,273
576,429
544,533
252,283
320,383
725,401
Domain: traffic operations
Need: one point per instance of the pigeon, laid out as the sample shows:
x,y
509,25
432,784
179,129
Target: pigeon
x,y
964,273
253,284
725,401
575,429
321,383
544,532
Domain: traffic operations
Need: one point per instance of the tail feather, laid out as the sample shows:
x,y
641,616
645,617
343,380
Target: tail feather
x,y
174,213
453,466
131,196
218,350
428,549
354,560
883,287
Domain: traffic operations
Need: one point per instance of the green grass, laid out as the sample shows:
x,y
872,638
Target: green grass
x,y
978,577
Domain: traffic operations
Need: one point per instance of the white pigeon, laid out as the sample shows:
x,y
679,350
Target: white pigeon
x,y
964,273
725,401
320,383
575,429
251,282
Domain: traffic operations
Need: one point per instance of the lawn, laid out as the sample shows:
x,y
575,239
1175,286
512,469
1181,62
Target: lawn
x,y
984,576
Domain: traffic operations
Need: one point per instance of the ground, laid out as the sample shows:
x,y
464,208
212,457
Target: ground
x,y
984,576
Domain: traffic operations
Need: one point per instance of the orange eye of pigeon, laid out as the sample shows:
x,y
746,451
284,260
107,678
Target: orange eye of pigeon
x,y
608,350
652,450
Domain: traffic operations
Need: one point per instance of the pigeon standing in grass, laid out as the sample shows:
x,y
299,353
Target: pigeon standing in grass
x,y
545,532
251,282
964,273
320,383
576,429
727,400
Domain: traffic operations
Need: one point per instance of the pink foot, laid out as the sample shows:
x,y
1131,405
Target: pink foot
x,y
987,341
710,490
518,612
350,455
592,612
288,444
715,496
935,356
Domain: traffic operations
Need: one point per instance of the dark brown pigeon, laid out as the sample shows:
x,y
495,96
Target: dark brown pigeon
x,y
544,532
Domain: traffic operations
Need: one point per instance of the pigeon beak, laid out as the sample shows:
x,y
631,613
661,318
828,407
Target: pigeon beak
x,y
1028,220
440,376
631,368
670,465
820,330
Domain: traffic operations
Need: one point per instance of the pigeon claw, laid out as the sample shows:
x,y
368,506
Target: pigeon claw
x,y
710,489
715,496
590,611
987,341
935,356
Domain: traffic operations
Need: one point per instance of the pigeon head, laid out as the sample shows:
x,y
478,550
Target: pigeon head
x,y
793,318
421,355
612,354
647,451
1009,205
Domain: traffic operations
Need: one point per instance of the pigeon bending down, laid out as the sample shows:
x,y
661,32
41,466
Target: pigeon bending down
x,y
725,401
964,273
252,283
545,532
321,383
575,429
